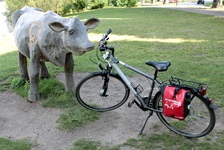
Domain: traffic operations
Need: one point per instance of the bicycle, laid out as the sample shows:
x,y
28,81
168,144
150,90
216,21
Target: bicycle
x,y
109,90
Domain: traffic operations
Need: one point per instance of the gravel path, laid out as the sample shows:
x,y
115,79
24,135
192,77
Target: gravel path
x,y
20,119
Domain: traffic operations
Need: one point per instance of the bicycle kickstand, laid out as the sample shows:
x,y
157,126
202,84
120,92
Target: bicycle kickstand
x,y
150,114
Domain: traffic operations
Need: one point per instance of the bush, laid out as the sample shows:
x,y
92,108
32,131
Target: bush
x,y
95,4
11,6
122,3
80,5
60,7
53,5
74,6
131,3
63,7
68,8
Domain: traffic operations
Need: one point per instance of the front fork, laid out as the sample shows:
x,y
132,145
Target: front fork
x,y
106,78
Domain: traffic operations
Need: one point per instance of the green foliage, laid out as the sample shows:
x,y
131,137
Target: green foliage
x,y
63,7
95,4
74,6
54,5
13,6
122,3
18,82
131,3
6,144
20,86
80,5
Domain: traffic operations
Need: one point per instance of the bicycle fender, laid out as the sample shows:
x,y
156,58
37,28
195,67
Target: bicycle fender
x,y
155,97
209,102
213,106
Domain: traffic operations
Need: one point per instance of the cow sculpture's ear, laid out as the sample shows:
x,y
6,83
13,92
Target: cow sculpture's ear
x,y
57,26
92,23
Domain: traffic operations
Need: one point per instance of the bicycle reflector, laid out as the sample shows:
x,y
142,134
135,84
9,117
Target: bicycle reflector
x,y
210,100
203,90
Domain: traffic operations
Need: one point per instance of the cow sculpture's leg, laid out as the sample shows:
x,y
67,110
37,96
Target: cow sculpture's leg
x,y
23,66
34,64
68,68
34,75
43,71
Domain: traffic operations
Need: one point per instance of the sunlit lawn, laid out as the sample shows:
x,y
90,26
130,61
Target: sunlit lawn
x,y
193,43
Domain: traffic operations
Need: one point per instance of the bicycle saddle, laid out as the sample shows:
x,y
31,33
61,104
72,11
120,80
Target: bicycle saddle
x,y
159,66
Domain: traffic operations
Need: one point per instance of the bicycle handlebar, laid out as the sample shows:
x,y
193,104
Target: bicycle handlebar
x,y
105,36
103,46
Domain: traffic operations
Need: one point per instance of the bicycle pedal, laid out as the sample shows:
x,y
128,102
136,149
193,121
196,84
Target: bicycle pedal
x,y
131,103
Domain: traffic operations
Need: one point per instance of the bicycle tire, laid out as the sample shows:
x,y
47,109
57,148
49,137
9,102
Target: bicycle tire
x,y
88,92
199,122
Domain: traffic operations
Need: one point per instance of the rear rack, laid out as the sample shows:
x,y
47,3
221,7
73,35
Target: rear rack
x,y
187,84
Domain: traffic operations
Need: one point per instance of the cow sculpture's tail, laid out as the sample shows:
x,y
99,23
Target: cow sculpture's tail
x,y
15,17
20,12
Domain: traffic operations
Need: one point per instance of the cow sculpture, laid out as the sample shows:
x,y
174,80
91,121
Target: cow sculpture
x,y
46,36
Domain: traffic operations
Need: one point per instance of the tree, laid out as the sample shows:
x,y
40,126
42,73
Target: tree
x,y
217,3
165,1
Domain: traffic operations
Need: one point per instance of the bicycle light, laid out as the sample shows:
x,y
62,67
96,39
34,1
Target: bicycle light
x,y
210,100
203,91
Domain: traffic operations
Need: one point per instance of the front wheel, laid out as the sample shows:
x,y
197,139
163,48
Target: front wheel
x,y
199,122
100,93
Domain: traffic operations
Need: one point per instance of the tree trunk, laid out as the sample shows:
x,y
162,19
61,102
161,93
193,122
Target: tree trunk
x,y
217,3
166,2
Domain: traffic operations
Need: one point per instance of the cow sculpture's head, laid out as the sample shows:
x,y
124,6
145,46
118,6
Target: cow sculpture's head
x,y
74,32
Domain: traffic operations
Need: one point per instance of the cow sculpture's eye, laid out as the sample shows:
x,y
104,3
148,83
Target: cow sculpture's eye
x,y
71,31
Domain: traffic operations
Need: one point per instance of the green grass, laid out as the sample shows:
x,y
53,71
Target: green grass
x,y
6,144
193,43
162,141
91,145
167,141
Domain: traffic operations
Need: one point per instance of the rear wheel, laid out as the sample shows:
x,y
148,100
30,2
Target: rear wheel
x,y
199,122
91,94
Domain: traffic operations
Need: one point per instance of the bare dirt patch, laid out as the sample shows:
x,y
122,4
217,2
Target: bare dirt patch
x,y
20,119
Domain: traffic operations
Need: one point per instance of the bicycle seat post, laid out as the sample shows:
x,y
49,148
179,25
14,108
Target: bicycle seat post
x,y
155,74
152,87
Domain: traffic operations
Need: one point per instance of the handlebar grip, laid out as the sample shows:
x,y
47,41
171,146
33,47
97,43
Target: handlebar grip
x,y
107,33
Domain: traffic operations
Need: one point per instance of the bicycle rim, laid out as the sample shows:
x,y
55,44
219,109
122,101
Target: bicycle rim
x,y
88,92
199,122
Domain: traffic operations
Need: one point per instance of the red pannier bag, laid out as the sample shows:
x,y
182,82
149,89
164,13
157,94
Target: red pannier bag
x,y
176,102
